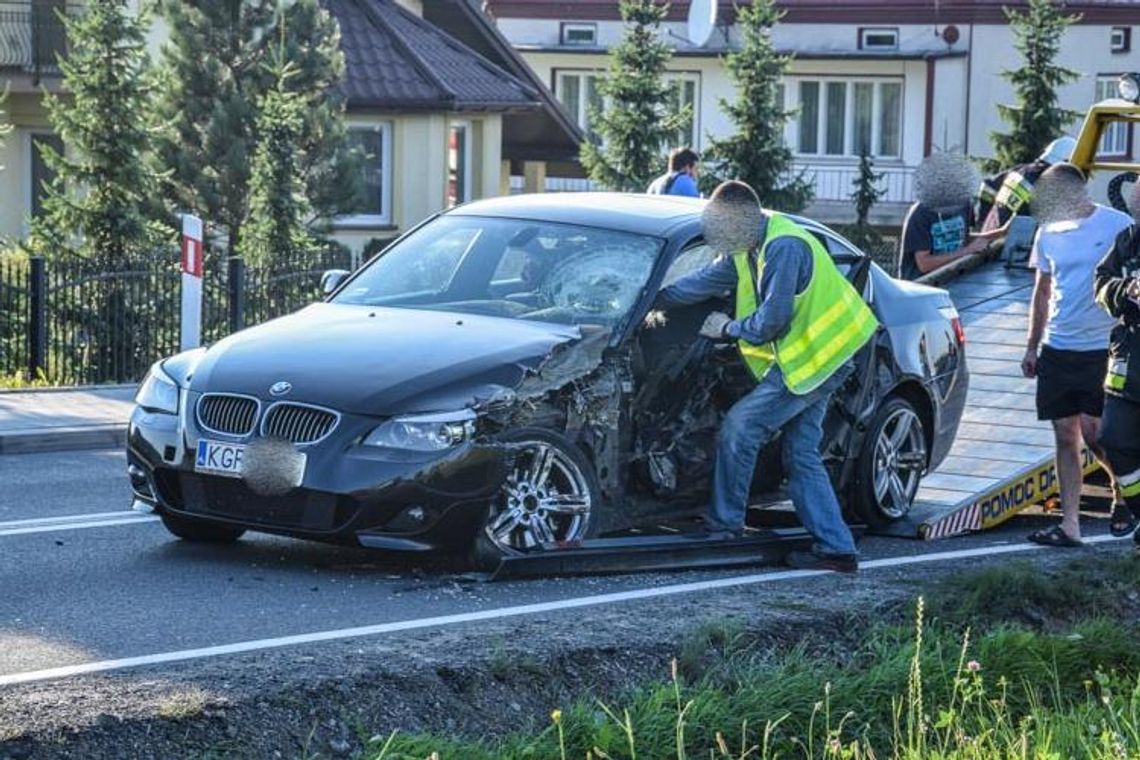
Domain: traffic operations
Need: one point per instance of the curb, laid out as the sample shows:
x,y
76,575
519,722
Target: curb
x,y
63,439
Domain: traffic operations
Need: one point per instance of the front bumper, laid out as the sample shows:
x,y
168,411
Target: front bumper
x,y
348,494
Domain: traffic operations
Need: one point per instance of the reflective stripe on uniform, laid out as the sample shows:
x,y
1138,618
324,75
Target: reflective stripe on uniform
x,y
1015,192
1129,484
1117,374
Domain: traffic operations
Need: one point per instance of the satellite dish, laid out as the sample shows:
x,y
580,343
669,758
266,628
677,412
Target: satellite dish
x,y
702,21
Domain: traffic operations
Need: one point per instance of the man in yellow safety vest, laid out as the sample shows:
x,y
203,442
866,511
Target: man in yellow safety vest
x,y
797,325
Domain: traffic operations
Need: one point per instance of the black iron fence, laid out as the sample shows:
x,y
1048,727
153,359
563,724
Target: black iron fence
x,y
32,35
72,323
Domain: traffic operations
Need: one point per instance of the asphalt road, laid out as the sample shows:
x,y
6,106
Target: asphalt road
x,y
81,581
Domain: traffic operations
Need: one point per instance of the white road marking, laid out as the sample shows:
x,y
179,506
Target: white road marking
x,y
73,522
182,655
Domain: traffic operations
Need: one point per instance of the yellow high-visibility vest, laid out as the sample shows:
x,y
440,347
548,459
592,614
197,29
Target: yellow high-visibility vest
x,y
830,320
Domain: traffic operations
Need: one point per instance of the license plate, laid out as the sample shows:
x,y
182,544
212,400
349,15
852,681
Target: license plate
x,y
219,458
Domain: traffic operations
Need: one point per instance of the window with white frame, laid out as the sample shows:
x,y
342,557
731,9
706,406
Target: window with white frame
x,y
847,117
1114,139
686,92
578,93
374,142
578,34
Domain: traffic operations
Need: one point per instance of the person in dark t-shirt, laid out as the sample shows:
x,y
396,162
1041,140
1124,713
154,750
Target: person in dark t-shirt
x,y
932,238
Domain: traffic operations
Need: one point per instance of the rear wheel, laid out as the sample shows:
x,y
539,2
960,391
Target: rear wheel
x,y
891,464
550,496
201,531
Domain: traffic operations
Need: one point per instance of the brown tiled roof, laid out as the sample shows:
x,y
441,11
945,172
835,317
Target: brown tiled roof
x,y
397,61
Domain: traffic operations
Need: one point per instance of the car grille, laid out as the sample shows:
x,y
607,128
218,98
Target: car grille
x,y
298,423
227,413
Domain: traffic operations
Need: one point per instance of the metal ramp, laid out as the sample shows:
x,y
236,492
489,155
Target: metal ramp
x,y
1002,460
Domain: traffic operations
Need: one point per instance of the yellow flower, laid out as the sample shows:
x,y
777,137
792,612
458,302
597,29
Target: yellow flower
x,y
556,716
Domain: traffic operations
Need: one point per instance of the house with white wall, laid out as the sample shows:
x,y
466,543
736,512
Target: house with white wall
x,y
444,108
896,79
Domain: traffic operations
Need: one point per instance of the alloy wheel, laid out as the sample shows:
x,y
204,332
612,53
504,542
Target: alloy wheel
x,y
546,499
900,457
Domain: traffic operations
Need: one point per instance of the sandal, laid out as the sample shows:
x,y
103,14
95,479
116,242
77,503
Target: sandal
x,y
1123,521
1054,537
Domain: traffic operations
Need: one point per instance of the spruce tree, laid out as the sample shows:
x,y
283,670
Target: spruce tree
x,y
867,192
275,230
215,75
104,199
756,152
4,127
1034,119
638,119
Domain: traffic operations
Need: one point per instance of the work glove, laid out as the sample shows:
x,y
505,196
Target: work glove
x,y
715,325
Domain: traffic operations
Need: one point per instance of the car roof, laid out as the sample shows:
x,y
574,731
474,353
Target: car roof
x,y
637,213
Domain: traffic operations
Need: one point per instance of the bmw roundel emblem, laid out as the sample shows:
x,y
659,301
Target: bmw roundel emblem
x,y
280,388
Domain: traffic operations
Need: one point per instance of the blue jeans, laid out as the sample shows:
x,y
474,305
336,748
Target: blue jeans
x,y
752,422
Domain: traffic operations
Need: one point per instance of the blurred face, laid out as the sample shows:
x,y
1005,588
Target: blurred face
x,y
731,227
1134,202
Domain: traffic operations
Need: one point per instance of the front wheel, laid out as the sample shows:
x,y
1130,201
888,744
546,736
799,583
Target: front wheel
x,y
550,496
890,464
200,531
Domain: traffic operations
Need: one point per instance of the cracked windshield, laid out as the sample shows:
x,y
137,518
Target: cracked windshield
x,y
540,271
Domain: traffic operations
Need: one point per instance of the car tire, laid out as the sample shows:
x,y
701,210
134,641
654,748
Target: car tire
x,y
891,463
532,509
200,531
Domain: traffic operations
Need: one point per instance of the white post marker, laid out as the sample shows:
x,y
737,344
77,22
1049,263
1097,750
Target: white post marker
x,y
191,282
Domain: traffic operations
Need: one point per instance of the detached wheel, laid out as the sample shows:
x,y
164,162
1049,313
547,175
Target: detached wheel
x,y
891,464
550,495
200,531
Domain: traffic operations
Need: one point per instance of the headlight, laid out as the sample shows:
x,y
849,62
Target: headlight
x,y
424,432
158,392
1129,87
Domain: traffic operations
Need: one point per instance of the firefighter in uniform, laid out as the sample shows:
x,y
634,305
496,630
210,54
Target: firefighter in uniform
x,y
1006,195
798,323
1118,291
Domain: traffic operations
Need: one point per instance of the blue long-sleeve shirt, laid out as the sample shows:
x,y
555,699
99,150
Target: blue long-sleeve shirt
x,y
787,272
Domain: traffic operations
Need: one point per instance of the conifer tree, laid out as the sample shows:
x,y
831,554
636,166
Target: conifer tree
x,y
639,117
215,75
756,152
1034,118
104,198
867,192
276,228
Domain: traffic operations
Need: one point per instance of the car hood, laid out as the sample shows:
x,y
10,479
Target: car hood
x,y
381,361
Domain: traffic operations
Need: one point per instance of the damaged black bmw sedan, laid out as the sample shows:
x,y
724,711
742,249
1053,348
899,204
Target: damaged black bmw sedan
x,y
496,381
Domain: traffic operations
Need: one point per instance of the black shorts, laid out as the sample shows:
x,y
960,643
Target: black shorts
x,y
1070,383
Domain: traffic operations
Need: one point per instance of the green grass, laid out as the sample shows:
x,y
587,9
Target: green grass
x,y
926,690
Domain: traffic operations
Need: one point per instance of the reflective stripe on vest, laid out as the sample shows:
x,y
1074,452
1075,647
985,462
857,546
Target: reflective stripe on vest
x,y
1129,484
1117,374
830,321
1015,192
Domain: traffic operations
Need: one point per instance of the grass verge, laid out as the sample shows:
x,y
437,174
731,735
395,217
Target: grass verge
x,y
1062,680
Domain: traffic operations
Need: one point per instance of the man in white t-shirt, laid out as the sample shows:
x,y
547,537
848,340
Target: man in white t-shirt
x,y
1067,348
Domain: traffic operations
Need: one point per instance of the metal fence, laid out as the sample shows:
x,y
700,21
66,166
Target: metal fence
x,y
71,322
32,36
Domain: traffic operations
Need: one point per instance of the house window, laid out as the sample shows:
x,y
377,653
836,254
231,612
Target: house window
x,y
459,164
686,93
374,141
848,117
578,93
41,175
1114,140
878,39
578,34
1121,39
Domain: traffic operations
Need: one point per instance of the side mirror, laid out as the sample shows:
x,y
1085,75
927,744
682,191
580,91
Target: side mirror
x,y
332,279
